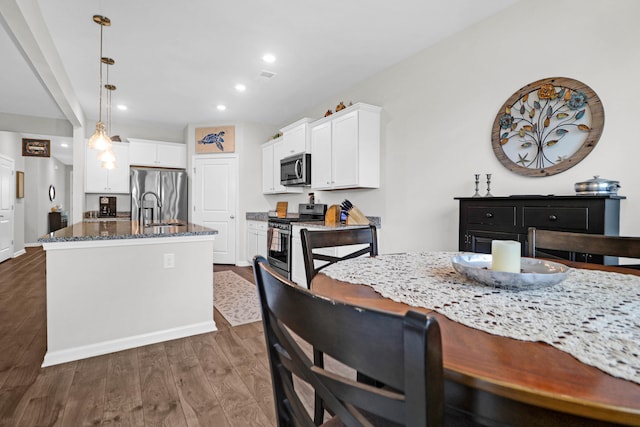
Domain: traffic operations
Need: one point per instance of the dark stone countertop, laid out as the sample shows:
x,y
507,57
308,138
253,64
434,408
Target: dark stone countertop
x,y
118,229
264,216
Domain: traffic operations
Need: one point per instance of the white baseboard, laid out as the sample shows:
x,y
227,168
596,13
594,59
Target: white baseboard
x,y
83,352
243,264
32,245
20,252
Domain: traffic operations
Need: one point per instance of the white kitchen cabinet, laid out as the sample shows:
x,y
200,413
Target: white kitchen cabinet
x,y
345,149
100,180
256,239
296,138
272,152
158,154
321,154
298,274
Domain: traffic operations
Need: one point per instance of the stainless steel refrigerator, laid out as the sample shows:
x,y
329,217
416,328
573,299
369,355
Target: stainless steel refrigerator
x,y
171,187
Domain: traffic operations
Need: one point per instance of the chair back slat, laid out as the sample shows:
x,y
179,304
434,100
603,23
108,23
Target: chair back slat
x,y
334,238
595,244
402,352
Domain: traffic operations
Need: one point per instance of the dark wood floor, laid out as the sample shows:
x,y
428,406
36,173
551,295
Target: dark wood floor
x,y
216,379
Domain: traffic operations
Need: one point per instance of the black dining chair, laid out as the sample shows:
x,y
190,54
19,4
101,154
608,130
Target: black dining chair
x,y
333,238
593,244
403,352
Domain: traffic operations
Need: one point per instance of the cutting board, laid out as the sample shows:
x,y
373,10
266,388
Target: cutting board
x,y
332,217
281,209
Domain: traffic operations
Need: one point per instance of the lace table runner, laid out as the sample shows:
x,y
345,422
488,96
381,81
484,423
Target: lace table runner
x,y
592,315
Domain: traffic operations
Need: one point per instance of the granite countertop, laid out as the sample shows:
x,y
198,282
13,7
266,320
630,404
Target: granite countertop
x,y
264,216
322,226
118,229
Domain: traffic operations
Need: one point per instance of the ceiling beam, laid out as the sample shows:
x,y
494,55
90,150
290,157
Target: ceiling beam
x,y
26,26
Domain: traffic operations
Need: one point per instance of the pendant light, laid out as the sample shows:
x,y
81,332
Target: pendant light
x,y
100,139
107,157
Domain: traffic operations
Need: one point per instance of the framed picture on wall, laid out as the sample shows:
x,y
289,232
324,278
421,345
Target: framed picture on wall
x,y
218,139
36,147
19,184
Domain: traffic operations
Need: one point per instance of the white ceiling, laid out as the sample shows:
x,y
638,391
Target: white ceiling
x,y
176,61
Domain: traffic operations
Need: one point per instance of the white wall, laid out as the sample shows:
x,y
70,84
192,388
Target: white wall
x,y
248,137
39,174
31,212
11,146
439,106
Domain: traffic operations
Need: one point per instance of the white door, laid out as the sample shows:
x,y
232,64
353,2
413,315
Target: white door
x,y
7,193
214,198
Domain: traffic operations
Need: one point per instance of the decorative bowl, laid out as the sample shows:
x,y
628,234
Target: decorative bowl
x,y
535,273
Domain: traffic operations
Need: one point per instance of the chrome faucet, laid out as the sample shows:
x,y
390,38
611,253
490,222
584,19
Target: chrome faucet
x,y
141,214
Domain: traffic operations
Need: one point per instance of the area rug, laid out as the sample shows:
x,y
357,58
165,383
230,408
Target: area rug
x,y
235,298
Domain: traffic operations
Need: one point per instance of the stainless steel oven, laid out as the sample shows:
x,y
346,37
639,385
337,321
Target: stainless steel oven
x,y
279,250
279,235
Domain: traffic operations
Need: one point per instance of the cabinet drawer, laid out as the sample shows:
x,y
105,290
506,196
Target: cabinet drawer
x,y
569,219
492,215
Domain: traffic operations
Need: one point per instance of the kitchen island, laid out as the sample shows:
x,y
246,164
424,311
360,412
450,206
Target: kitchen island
x,y
113,285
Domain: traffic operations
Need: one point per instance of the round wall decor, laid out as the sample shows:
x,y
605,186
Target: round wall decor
x,y
547,127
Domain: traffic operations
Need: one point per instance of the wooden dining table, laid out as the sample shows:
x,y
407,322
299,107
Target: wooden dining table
x,y
506,381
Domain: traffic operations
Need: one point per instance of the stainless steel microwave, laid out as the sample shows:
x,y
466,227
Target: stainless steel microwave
x,y
296,169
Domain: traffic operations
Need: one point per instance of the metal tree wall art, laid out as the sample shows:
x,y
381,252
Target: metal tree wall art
x,y
547,127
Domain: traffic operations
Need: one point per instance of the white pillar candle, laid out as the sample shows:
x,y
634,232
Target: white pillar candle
x,y
505,256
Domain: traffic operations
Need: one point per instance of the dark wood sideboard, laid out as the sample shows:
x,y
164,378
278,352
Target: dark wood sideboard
x,y
56,221
483,219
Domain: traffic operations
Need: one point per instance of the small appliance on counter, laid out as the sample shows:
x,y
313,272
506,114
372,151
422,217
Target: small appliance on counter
x,y
107,207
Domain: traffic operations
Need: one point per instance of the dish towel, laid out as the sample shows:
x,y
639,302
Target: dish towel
x,y
276,244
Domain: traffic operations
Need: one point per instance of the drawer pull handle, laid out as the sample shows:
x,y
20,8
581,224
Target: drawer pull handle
x,y
489,215
552,217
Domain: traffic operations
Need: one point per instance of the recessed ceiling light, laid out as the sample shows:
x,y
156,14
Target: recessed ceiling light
x,y
64,145
240,87
122,107
221,107
268,58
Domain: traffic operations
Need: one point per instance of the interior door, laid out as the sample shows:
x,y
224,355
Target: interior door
x,y
214,203
7,192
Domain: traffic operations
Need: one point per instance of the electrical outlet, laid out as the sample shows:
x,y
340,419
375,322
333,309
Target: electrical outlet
x,y
169,260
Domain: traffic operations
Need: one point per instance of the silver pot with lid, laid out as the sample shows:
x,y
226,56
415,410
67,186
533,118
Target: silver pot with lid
x,y
597,186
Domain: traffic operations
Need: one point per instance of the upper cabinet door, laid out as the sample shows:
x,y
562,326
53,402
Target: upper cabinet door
x,y
272,152
100,180
344,144
158,154
118,178
321,176
96,180
345,149
171,155
267,169
295,138
142,153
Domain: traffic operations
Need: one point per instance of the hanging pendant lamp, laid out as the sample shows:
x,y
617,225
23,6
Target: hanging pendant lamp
x,y
100,139
107,157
